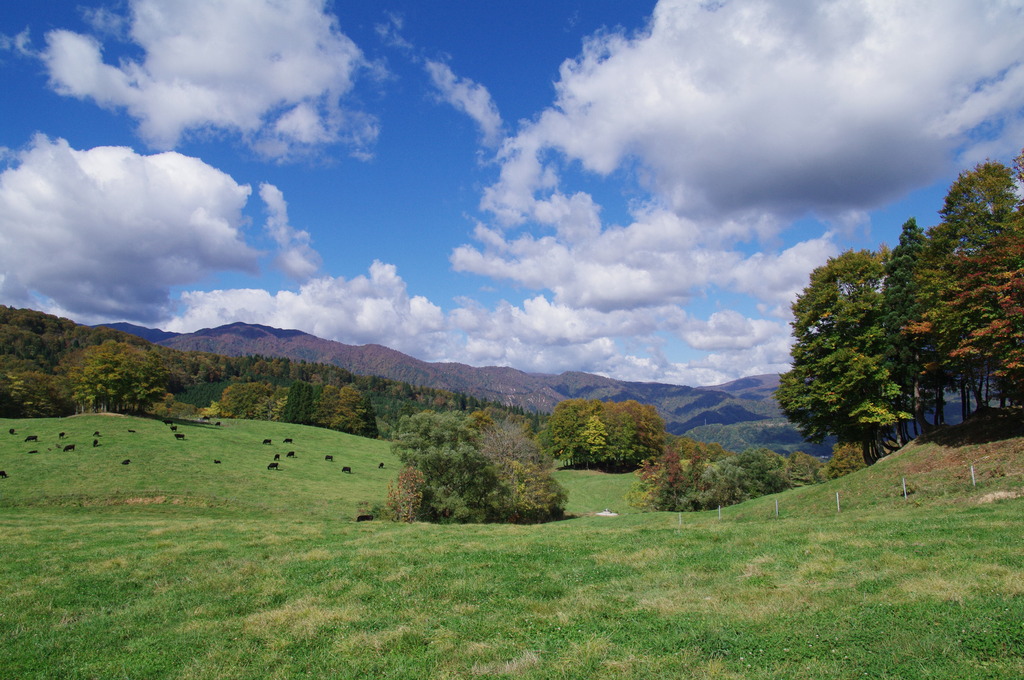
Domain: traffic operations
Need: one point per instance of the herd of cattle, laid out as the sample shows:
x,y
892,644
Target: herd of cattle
x,y
96,436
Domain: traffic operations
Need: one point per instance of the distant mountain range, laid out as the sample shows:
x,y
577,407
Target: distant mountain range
x,y
737,414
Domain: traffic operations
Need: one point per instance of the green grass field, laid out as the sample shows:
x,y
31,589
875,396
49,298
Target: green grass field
x,y
259,574
165,470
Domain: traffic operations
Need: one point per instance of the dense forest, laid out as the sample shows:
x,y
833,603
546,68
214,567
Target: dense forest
x,y
50,366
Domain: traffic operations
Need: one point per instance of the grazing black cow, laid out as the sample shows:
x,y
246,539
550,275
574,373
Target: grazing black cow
x,y
273,466
3,475
11,430
329,457
174,428
288,440
34,451
277,456
364,518
132,431
216,462
62,435
32,438
69,447
381,466
266,441
347,469
168,422
96,433
95,443
291,454
179,435
217,423
125,461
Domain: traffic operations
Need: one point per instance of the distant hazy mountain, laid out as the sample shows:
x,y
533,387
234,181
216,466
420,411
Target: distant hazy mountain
x,y
742,412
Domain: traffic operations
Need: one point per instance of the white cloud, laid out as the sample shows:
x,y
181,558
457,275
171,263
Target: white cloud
x,y
737,119
779,107
296,258
730,330
105,232
776,279
366,309
273,72
471,98
654,261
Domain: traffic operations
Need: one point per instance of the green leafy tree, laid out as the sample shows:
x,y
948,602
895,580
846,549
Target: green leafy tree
x,y
607,435
346,410
766,471
723,483
564,435
803,469
252,401
635,432
460,483
839,383
845,459
117,376
32,394
905,350
300,406
595,438
533,494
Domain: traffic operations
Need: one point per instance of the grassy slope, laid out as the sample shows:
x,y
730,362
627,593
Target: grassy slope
x,y
930,587
591,491
166,470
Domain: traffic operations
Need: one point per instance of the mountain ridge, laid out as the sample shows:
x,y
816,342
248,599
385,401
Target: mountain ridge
x,y
709,413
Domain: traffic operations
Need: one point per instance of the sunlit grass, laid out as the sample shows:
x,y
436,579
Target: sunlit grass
x,y
261,587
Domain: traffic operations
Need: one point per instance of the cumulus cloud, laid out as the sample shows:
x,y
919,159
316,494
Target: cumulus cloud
x,y
106,232
274,73
777,278
736,119
544,336
779,107
467,96
365,309
730,330
296,256
658,259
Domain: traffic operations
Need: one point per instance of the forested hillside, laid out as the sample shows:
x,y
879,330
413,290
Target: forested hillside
x,y
40,354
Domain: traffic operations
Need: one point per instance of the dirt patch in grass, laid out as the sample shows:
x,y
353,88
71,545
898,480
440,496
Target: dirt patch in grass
x,y
1000,496
152,500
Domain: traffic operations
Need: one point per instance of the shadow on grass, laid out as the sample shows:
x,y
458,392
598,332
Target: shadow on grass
x,y
984,426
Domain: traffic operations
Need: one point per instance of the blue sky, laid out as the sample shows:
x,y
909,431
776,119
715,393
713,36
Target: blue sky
x,y
637,189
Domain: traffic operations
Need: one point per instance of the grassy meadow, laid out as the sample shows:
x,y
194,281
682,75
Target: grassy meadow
x,y
172,567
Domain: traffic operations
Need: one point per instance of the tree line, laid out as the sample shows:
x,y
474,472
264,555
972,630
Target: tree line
x,y
467,468
881,337
51,366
